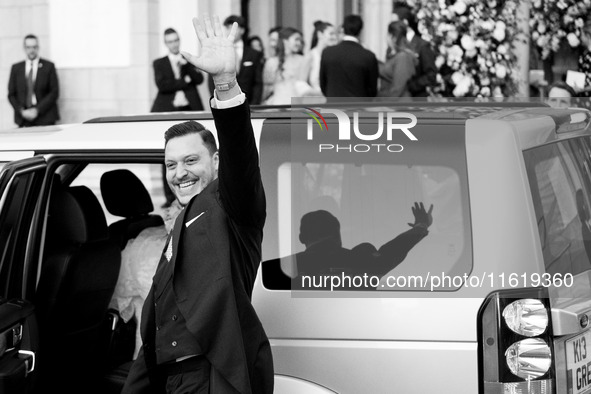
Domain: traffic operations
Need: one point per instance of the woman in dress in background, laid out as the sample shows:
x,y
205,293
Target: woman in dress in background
x,y
284,75
400,66
324,35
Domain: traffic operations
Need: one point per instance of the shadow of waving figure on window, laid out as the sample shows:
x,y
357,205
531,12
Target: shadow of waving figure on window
x,y
325,258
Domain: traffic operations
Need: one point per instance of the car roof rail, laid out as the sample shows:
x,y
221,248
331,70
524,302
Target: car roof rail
x,y
386,104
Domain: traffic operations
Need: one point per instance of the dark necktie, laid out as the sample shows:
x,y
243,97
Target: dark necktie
x,y
29,99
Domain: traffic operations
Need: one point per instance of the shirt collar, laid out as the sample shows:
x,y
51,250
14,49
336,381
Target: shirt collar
x,y
174,58
410,34
350,38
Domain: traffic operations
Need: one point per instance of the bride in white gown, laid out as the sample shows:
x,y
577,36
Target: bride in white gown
x,y
139,260
285,75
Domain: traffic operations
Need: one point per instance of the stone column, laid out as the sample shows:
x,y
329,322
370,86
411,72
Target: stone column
x,y
521,46
376,15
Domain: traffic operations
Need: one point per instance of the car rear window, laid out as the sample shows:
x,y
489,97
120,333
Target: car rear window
x,y
560,183
371,197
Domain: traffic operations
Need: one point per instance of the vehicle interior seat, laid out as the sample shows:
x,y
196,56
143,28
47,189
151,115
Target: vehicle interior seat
x,y
125,195
78,277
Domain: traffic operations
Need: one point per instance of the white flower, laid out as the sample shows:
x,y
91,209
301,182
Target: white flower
x,y
455,53
501,71
487,25
459,7
541,27
485,81
439,61
497,92
499,35
485,91
421,14
462,87
573,40
555,43
457,77
579,22
452,36
502,49
467,42
542,41
471,53
479,43
537,3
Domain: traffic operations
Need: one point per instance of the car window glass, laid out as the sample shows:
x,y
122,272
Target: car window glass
x,y
15,223
559,180
371,203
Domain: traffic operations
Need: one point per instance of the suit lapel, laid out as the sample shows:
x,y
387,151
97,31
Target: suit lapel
x,y
168,66
177,233
39,77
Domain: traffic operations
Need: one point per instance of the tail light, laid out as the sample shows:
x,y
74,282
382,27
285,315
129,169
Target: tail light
x,y
515,348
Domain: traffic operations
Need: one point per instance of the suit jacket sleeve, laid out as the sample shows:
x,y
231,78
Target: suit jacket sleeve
x,y
12,89
427,75
372,82
137,381
166,82
47,102
257,87
240,184
403,68
193,73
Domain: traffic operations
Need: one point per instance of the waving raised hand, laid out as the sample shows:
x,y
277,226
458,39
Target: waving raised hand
x,y
217,56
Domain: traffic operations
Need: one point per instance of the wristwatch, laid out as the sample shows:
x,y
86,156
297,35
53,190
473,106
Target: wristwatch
x,y
226,86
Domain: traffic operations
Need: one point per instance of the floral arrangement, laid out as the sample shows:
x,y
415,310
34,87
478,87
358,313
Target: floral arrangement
x,y
553,21
473,40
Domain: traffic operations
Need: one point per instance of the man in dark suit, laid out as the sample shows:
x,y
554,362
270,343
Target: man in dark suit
x,y
426,71
200,331
33,88
176,79
347,69
249,63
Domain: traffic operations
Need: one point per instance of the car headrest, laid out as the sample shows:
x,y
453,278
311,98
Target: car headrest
x,y
76,215
124,194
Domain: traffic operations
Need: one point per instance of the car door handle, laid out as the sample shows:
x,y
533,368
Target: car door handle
x,y
28,356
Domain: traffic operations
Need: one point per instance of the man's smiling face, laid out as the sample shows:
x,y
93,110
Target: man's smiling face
x,y
190,166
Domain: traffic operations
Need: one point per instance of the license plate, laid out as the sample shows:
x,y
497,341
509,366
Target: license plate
x,y
578,364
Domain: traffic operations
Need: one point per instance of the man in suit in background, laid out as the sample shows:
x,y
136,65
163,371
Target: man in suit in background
x,y
33,88
176,79
249,63
426,71
347,69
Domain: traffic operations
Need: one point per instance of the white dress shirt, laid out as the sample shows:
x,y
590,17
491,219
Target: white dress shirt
x,y
35,64
180,99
